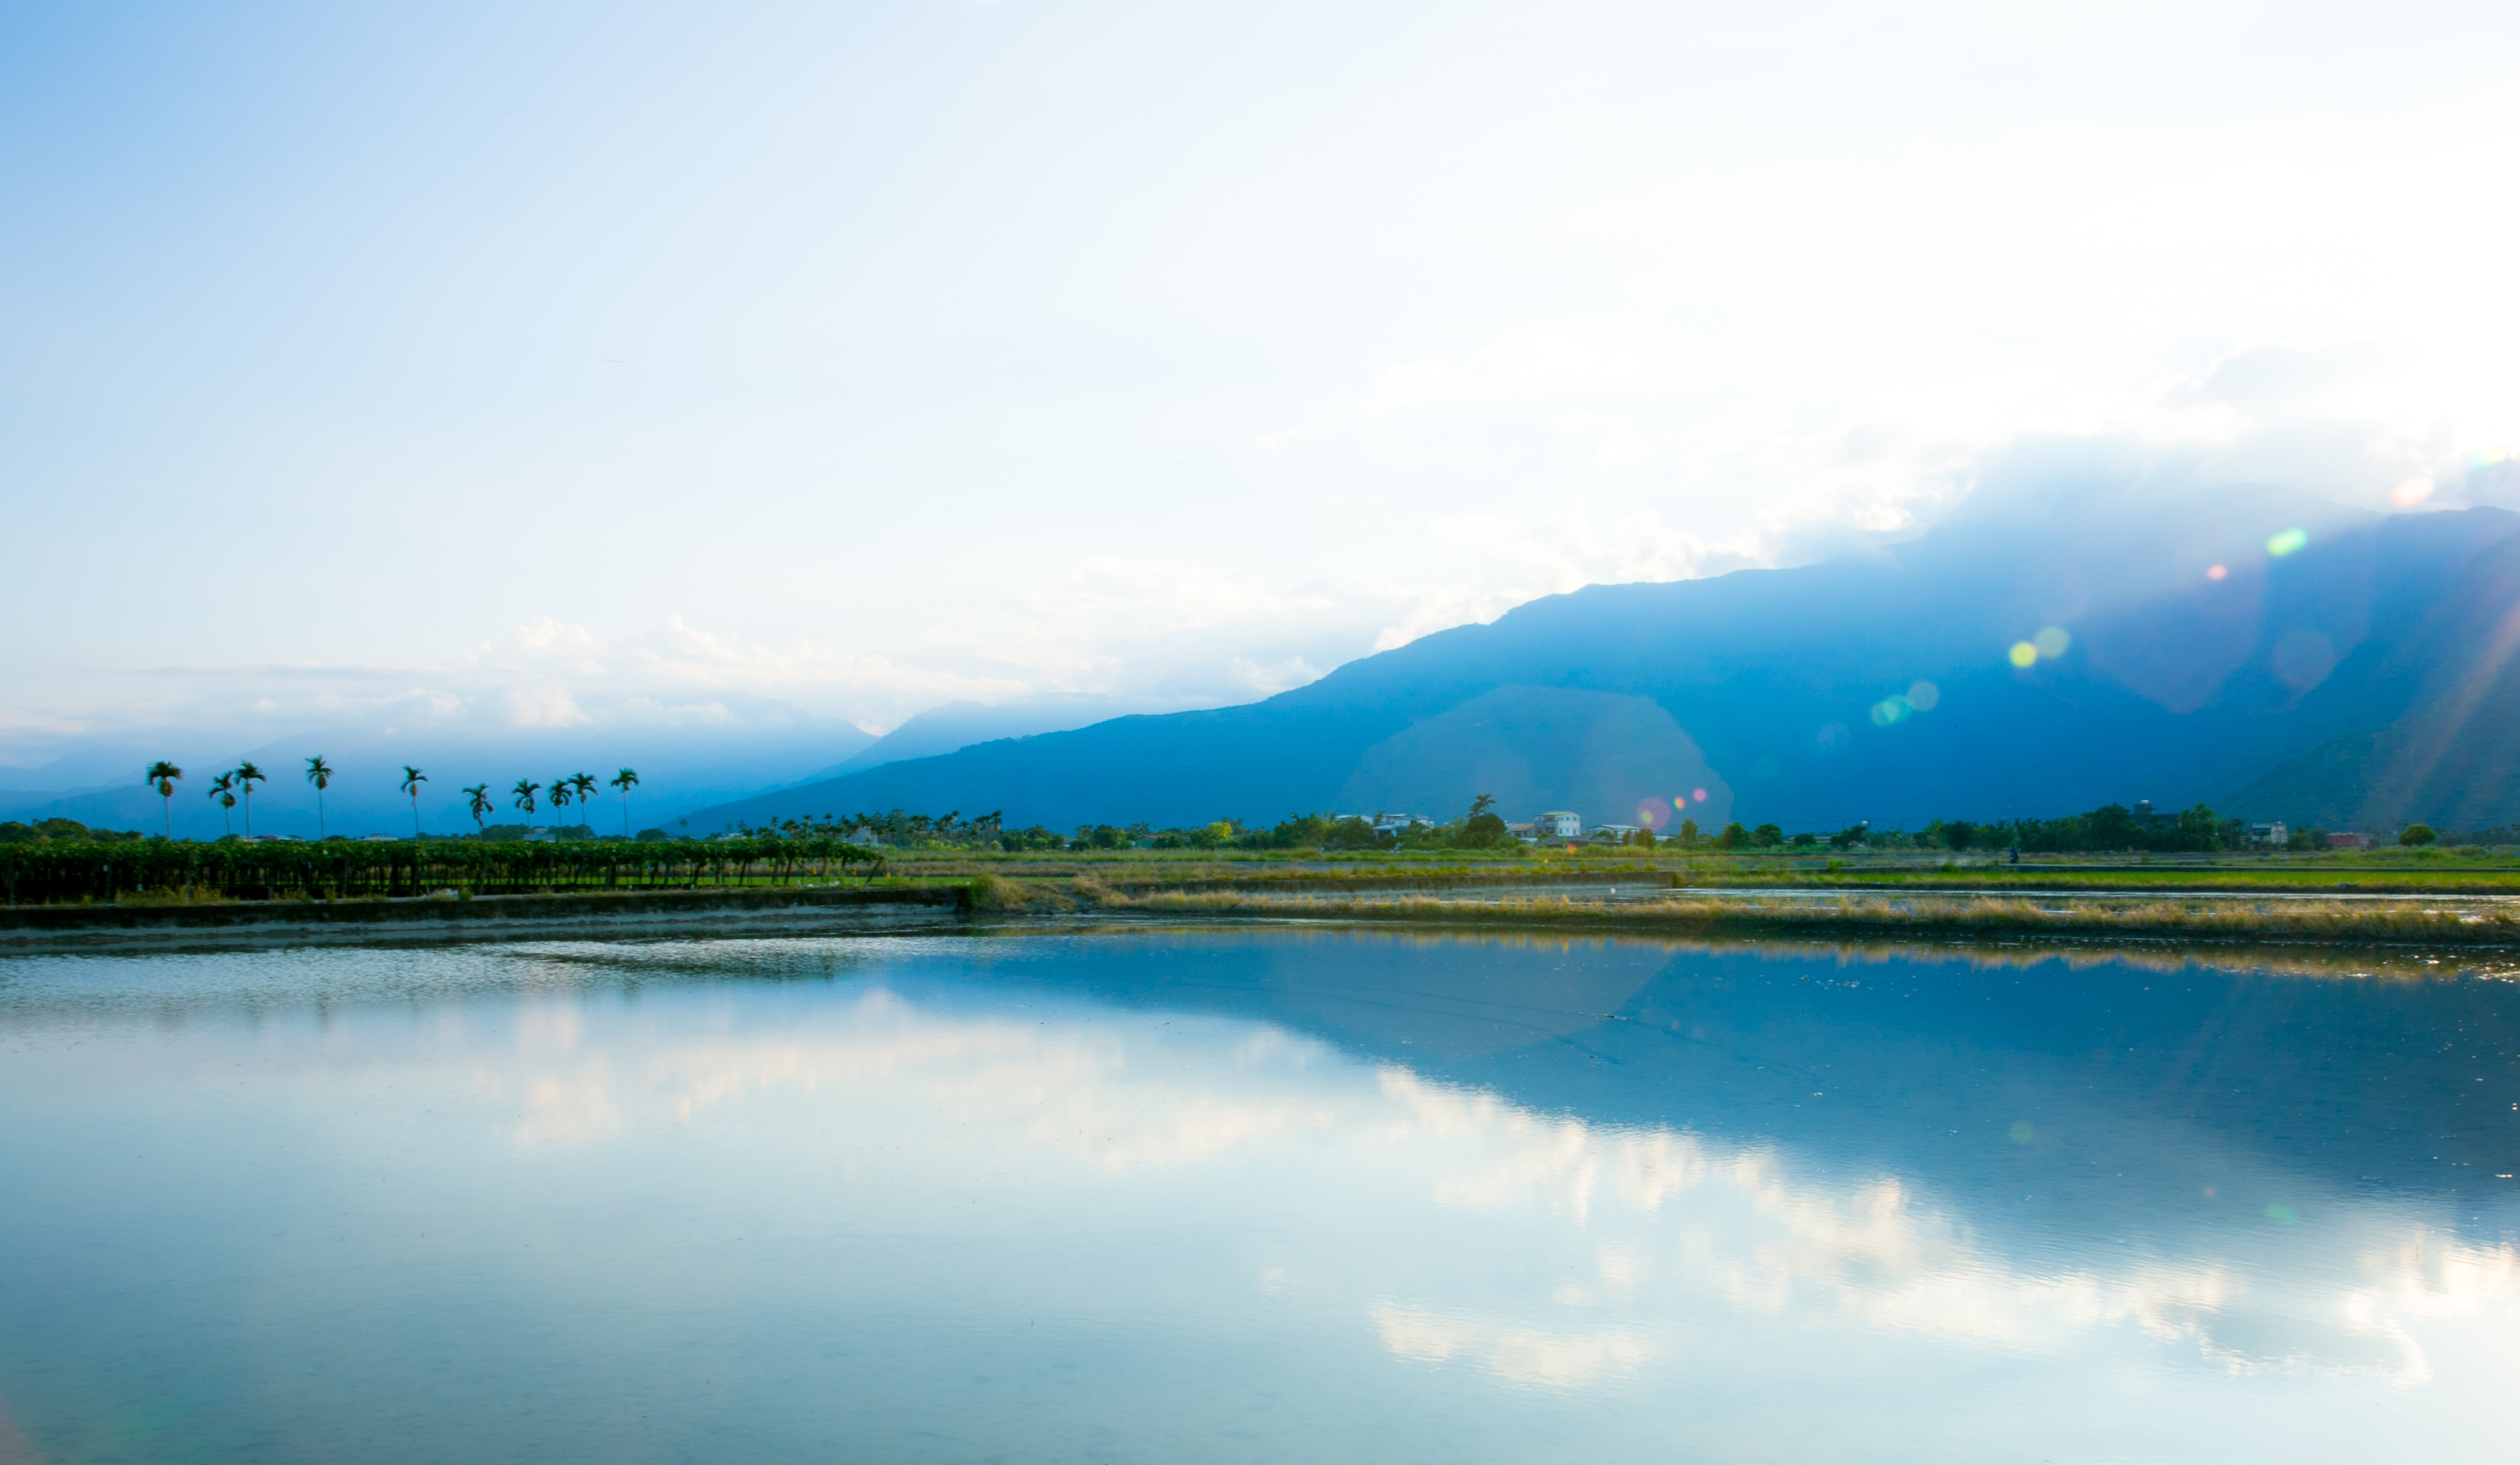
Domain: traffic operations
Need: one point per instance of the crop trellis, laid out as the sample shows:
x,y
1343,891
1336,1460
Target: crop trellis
x,y
53,871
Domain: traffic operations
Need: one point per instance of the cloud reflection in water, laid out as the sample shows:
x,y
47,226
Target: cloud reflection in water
x,y
1676,1228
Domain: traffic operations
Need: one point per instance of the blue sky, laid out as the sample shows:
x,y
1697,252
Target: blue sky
x,y
474,368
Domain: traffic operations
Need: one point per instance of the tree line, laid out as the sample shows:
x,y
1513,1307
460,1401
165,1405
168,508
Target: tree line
x,y
55,870
236,785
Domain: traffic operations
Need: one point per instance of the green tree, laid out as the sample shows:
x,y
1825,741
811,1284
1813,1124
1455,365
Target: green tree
x,y
559,796
320,773
524,792
626,780
477,801
1688,835
1766,836
248,776
584,786
221,789
1352,833
161,776
2417,834
1956,832
1732,837
412,778
1482,804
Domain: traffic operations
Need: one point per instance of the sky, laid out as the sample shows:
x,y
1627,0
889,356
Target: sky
x,y
665,370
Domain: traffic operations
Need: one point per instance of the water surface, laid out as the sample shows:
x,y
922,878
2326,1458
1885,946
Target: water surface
x,y
1249,1196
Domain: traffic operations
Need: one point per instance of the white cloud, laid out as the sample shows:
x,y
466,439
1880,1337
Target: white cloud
x,y
543,707
1516,559
1740,289
1269,680
1536,366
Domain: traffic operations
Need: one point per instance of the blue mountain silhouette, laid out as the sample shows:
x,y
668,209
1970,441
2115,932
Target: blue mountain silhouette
x,y
2343,668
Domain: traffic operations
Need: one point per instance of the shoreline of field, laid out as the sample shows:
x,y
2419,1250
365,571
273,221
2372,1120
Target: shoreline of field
x,y
2213,918
2472,922
52,929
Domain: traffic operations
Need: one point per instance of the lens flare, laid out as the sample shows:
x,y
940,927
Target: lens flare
x,y
2051,642
1699,794
2216,572
1923,695
2287,541
2411,493
2023,653
1890,710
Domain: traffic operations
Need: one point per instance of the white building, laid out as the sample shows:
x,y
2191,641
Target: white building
x,y
2269,833
1613,831
1559,823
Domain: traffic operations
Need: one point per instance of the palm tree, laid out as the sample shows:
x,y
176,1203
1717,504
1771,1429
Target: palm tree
x,y
220,787
625,781
585,785
558,801
524,792
412,778
479,794
320,773
161,776
248,776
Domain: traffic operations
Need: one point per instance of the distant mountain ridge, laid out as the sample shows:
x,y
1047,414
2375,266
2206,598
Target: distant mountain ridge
x,y
2346,667
958,724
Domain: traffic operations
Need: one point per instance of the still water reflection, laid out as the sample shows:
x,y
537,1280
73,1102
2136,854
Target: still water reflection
x,y
1249,1196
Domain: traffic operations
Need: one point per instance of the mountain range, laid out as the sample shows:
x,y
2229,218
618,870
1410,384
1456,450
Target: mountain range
x,y
2043,649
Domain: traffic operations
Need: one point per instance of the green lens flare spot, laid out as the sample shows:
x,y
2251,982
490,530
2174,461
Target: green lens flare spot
x,y
2023,654
2022,1134
2051,642
2288,541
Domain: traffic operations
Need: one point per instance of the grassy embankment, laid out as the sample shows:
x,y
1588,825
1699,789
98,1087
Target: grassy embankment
x,y
2433,897
2433,903
2419,921
2377,872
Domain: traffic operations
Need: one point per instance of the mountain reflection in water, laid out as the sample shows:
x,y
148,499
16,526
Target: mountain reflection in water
x,y
1250,1195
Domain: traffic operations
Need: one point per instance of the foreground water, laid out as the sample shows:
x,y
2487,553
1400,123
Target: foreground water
x,y
1249,1196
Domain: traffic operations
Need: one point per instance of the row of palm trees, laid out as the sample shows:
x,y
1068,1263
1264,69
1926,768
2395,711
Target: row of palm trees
x,y
570,788
579,789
